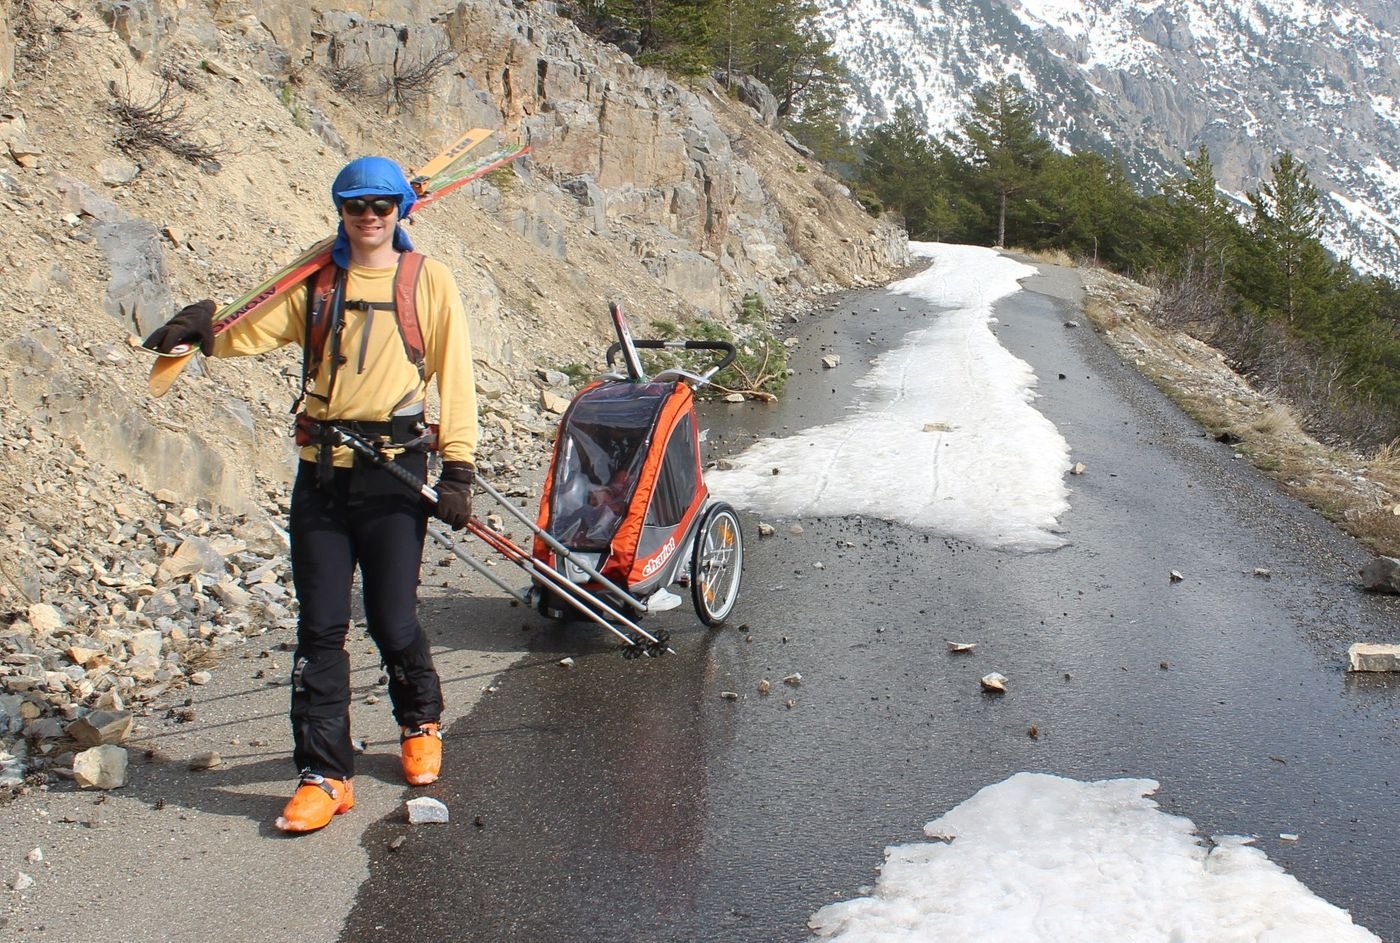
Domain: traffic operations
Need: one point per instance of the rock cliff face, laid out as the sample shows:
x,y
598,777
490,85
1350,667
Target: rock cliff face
x,y
675,201
1156,80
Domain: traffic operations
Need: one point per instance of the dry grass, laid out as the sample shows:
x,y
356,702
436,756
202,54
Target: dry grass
x,y
1386,462
1277,419
1048,256
1361,494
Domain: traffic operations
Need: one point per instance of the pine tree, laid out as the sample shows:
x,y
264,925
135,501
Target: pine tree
x,y
1086,206
1203,230
999,137
907,171
1286,271
673,34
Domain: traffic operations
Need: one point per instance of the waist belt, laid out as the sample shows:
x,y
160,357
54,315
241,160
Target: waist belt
x,y
408,433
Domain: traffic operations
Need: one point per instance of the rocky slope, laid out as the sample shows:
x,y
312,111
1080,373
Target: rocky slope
x,y
141,534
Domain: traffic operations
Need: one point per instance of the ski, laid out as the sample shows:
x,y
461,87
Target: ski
x,y
448,171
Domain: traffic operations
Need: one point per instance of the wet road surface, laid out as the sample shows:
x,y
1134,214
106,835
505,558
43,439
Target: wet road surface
x,y
627,801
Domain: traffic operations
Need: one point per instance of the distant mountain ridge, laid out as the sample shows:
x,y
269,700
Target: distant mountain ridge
x,y
1156,79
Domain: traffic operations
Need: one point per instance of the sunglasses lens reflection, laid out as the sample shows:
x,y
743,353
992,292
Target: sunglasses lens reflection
x,y
357,206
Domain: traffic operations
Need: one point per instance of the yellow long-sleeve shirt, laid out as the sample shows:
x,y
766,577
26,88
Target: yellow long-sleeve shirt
x,y
376,379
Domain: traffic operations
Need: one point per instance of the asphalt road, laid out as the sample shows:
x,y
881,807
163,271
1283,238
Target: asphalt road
x,y
627,801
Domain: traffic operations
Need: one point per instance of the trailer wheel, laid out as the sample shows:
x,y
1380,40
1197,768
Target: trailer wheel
x,y
717,564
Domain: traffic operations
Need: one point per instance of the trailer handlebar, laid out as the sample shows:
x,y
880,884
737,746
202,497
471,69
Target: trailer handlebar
x,y
729,350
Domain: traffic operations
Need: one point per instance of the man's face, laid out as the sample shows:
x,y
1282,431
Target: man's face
x,y
365,227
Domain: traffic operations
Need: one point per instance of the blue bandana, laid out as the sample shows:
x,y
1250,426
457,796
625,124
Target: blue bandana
x,y
371,177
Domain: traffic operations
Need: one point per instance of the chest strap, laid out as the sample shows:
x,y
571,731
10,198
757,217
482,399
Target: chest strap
x,y
325,321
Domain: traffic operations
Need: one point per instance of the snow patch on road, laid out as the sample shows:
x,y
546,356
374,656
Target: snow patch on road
x,y
944,438
1042,859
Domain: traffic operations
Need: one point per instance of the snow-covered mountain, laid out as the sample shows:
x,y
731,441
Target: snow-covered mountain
x,y
1155,79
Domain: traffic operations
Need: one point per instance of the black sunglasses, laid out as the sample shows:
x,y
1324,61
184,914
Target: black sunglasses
x,y
356,206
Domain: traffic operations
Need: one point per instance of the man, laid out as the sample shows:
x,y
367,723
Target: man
x,y
374,329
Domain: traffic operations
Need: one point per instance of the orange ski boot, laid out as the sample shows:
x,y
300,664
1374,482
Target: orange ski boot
x,y
316,801
420,748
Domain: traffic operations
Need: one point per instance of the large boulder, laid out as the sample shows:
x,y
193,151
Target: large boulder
x,y
1381,575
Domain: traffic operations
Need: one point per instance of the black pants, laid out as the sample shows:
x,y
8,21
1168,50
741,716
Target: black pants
x,y
367,519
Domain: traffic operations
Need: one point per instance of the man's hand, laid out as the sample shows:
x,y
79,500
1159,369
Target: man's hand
x,y
194,325
454,489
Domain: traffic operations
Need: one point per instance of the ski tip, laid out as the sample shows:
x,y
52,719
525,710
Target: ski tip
x,y
164,372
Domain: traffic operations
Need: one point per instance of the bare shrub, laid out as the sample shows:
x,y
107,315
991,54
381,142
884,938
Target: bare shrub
x,y
346,79
1195,300
40,28
158,121
1316,385
413,78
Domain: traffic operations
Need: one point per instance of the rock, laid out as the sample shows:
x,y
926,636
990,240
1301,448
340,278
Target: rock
x,y
1370,656
729,695
86,657
566,662
961,648
101,767
147,643
21,882
195,555
1175,577
221,69
759,97
994,683
733,397
138,294
425,810
766,530
45,618
1078,469
207,760
101,727
764,686
1381,575
116,171
232,596
793,679
552,402
831,360
487,388
201,677
937,427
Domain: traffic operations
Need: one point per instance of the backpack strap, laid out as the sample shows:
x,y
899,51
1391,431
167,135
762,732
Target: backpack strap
x,y
324,305
406,308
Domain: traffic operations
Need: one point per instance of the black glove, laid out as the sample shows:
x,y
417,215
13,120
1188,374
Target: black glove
x,y
454,489
193,325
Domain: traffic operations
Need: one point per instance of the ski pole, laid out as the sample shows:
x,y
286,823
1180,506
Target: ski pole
x,y
446,540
